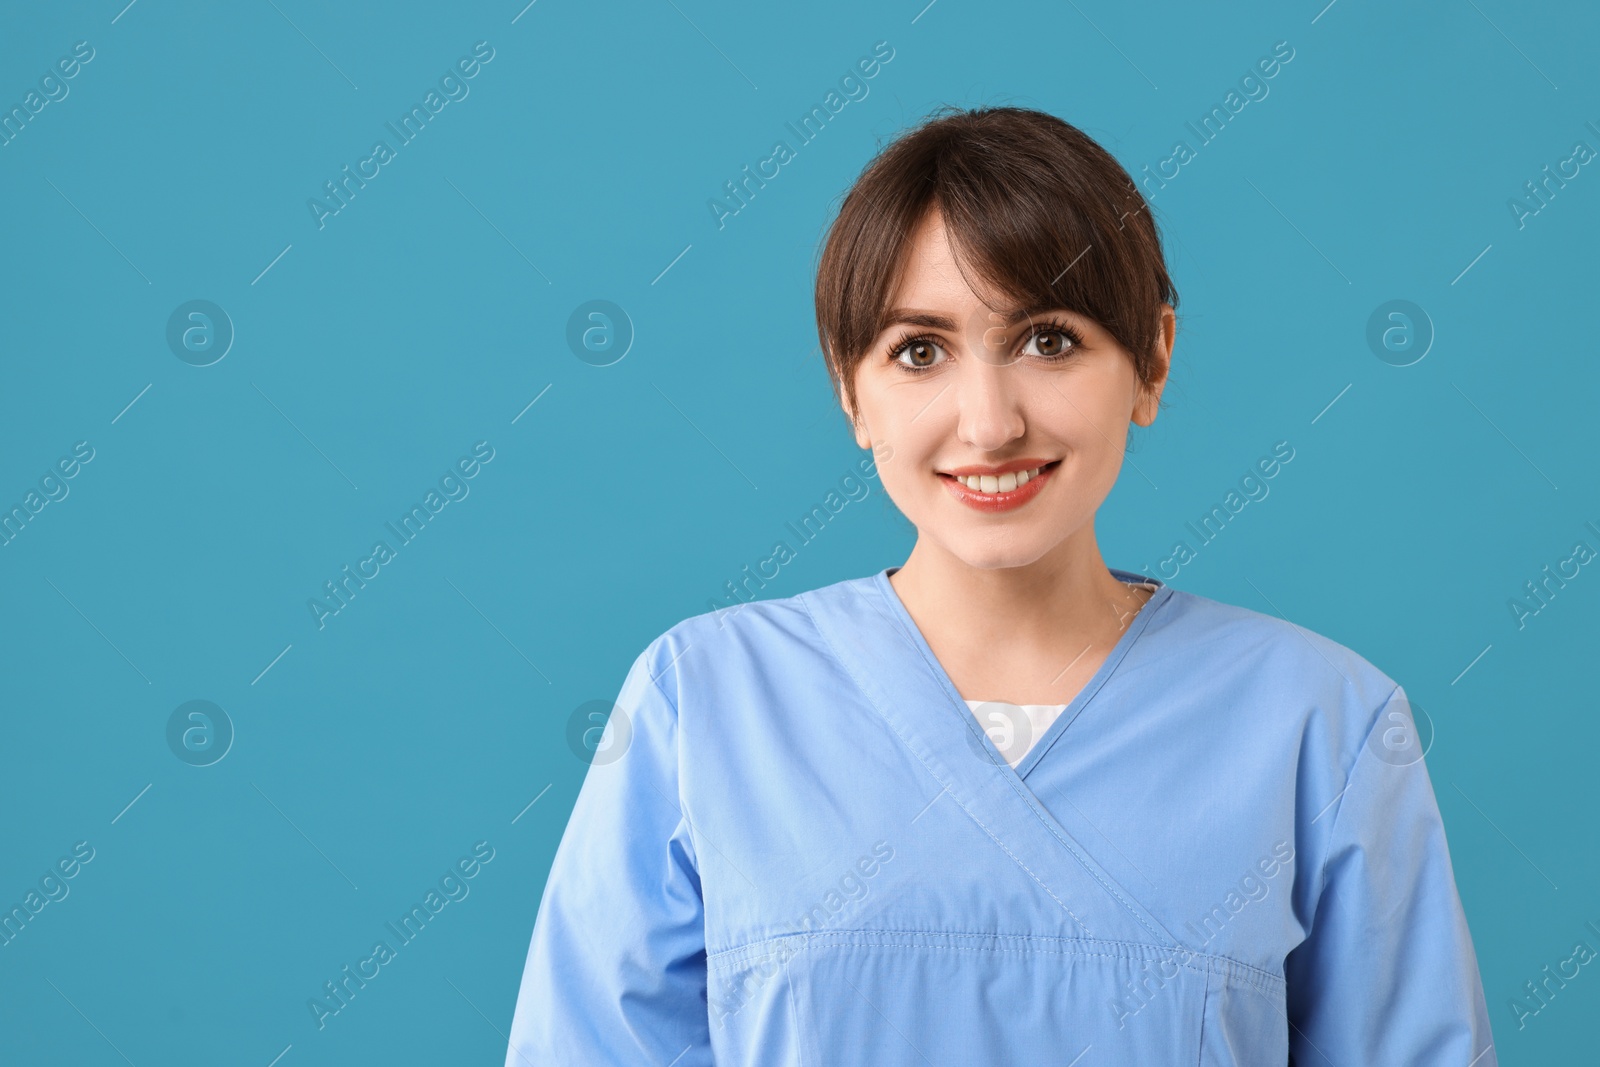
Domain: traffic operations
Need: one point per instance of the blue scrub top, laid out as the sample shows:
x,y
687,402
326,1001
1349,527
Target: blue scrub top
x,y
798,847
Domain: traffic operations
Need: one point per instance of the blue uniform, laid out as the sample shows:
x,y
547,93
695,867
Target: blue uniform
x,y
800,848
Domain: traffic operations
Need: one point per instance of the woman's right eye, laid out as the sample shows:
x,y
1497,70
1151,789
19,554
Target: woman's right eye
x,y
919,354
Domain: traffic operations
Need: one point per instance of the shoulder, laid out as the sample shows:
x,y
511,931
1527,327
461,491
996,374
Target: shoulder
x,y
1288,668
757,636
1284,698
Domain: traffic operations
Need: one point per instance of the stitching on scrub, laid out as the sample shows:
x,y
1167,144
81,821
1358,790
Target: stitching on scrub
x,y
1333,827
943,787
1246,973
1019,949
1088,696
655,679
1205,1003
1227,969
1029,800
684,819
1143,620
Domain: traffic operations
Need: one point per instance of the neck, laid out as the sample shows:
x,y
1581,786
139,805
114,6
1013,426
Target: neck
x,y
1018,626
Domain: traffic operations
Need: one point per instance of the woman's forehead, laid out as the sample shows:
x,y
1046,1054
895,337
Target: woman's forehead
x,y
933,278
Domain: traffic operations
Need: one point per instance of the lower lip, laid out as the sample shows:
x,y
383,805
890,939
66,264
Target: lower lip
x,y
1000,501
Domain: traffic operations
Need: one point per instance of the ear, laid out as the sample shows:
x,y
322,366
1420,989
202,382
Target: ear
x,y
1148,401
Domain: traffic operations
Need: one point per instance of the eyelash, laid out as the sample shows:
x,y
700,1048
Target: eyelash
x,y
1045,326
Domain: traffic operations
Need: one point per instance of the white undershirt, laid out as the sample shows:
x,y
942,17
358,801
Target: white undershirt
x,y
1014,728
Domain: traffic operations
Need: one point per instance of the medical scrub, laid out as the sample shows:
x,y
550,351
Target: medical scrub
x,y
801,847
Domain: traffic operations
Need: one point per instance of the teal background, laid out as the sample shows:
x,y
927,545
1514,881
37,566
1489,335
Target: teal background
x,y
430,311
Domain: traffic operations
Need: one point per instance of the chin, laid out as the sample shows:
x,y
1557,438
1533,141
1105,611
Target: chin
x,y
987,555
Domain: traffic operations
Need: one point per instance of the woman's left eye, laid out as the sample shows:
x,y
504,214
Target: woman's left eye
x,y
1051,342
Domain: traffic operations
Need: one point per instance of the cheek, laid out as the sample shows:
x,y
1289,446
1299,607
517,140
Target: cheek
x,y
903,441
905,464
1091,412
906,454
1101,435
1101,461
1092,430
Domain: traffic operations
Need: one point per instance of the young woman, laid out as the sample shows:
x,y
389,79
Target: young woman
x,y
1001,804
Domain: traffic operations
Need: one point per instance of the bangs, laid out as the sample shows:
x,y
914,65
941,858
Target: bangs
x,y
1037,212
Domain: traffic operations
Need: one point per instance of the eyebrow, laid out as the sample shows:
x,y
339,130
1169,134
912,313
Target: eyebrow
x,y
933,321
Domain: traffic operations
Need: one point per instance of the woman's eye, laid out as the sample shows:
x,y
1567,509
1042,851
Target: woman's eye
x,y
1049,343
919,355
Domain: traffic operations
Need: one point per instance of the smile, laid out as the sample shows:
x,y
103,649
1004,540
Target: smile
x,y
999,492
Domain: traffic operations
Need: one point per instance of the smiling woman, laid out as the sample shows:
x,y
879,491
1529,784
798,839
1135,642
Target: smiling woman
x,y
995,313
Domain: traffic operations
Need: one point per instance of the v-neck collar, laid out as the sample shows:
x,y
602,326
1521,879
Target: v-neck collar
x,y
879,648
1135,627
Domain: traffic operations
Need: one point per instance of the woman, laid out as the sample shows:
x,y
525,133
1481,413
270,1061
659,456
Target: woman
x,y
1001,804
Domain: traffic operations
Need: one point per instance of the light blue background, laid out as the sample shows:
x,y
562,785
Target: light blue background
x,y
431,310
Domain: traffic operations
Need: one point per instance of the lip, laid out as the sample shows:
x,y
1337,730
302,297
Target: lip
x,y
994,502
1026,464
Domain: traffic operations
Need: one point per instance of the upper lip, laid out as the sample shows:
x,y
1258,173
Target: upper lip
x,y
1004,468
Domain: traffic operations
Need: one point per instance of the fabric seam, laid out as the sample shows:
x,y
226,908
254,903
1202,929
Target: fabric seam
x,y
1142,622
1338,811
943,788
911,939
677,757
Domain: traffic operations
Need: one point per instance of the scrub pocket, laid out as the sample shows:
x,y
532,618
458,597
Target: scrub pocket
x,y
1246,1020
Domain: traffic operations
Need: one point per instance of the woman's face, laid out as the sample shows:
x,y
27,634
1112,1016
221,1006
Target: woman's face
x,y
997,395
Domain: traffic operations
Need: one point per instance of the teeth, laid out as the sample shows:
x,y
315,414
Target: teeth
x,y
991,483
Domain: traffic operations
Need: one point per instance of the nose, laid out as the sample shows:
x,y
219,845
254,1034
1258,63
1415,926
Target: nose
x,y
989,405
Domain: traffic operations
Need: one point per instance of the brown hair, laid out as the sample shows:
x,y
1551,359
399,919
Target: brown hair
x,y
1042,212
